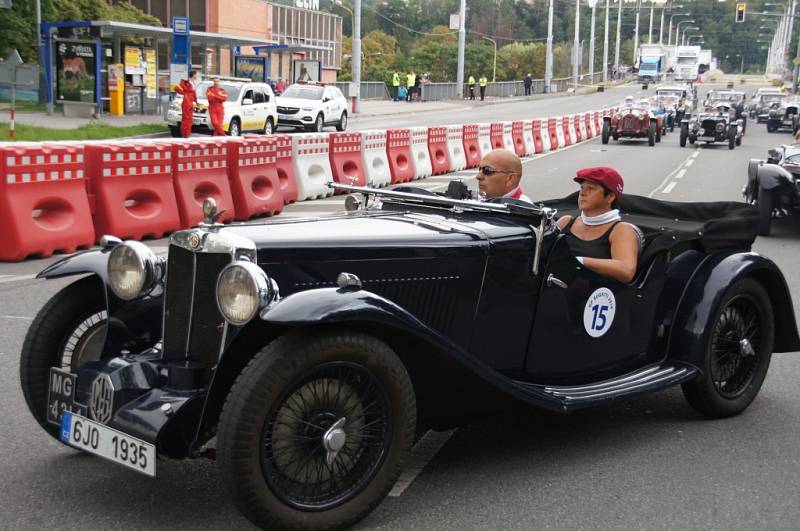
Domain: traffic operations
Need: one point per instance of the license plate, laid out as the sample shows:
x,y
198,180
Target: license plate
x,y
61,395
285,116
112,444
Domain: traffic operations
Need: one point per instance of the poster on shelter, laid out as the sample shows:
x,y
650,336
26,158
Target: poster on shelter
x,y
150,80
133,61
75,71
116,77
306,71
252,67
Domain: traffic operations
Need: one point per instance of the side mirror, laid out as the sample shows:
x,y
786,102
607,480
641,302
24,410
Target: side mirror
x,y
266,97
247,101
326,100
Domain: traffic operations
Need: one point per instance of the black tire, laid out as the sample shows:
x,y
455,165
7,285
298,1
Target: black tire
x,y
724,390
692,140
269,127
67,332
651,135
319,124
606,133
658,134
684,134
276,397
175,131
765,207
738,140
235,127
731,138
744,124
771,127
342,125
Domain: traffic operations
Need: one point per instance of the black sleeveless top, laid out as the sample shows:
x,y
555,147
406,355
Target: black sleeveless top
x,y
597,248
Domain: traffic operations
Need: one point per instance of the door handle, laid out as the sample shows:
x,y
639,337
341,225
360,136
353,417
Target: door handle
x,y
553,281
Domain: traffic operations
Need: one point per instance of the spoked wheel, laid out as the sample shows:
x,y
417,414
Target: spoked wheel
x,y
315,430
738,353
68,332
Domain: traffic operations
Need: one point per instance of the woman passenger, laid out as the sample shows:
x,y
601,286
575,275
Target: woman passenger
x,y
597,237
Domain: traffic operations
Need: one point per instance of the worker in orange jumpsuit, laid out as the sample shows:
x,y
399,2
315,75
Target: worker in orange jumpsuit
x,y
216,110
187,89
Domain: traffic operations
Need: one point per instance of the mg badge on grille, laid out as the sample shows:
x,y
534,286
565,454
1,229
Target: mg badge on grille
x,y
102,404
194,240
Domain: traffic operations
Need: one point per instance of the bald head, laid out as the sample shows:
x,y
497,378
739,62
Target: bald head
x,y
506,175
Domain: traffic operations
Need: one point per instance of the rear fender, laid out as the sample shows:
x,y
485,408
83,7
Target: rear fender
x,y
771,176
704,293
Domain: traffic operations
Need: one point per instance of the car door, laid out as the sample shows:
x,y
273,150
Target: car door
x,y
270,105
327,105
248,109
260,108
589,326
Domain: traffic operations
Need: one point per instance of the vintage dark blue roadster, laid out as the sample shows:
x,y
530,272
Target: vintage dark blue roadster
x,y
306,355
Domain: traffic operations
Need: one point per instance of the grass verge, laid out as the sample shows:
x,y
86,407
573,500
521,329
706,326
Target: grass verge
x,y
93,131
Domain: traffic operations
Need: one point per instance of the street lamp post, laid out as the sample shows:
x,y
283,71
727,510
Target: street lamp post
x,y
357,55
576,44
593,4
677,30
494,62
605,46
461,44
619,27
636,31
687,28
548,69
669,38
650,30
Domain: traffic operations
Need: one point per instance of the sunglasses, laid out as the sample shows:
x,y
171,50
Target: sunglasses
x,y
488,170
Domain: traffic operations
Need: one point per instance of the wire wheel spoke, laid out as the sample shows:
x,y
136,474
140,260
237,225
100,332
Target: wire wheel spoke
x,y
295,458
732,366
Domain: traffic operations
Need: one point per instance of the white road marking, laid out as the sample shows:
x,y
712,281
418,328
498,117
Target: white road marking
x,y
689,162
20,317
696,153
422,453
671,174
669,187
681,173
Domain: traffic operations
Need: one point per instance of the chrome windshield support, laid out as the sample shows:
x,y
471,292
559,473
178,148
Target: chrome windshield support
x,y
538,233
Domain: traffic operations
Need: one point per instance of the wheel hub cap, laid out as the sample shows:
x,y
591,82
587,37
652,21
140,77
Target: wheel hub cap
x,y
745,348
334,440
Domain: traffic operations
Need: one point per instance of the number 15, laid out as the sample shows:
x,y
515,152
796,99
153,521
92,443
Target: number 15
x,y
599,318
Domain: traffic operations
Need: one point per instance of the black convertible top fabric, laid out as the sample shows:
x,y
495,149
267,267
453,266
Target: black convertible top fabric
x,y
712,226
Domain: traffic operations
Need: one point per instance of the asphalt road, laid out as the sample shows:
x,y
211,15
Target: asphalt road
x,y
646,463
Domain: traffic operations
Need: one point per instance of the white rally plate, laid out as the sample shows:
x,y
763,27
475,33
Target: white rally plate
x,y
114,445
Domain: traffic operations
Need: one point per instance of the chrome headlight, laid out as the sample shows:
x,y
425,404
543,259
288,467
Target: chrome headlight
x,y
242,289
133,270
701,131
720,127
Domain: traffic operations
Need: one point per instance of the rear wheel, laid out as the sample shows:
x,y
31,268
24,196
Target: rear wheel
x,y
269,128
737,355
606,133
765,208
771,126
67,332
342,125
316,429
234,128
651,134
175,131
731,138
658,134
684,134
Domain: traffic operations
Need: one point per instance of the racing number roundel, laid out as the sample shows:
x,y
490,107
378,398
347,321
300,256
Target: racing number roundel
x,y
598,314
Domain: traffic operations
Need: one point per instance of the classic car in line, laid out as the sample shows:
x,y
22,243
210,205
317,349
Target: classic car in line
x,y
773,185
783,115
311,352
715,124
735,98
632,121
762,101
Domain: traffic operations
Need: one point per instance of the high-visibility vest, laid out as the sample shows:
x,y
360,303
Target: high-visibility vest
x,y
471,80
395,80
410,79
483,81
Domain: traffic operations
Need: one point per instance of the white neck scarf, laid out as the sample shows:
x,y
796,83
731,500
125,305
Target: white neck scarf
x,y
606,217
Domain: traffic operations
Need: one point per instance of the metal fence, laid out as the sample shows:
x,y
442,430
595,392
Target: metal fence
x,y
370,90
439,91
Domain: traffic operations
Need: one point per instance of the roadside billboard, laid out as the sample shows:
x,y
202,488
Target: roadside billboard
x,y
304,70
254,67
75,71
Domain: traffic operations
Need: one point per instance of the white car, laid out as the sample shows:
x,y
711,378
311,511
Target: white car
x,y
312,107
250,107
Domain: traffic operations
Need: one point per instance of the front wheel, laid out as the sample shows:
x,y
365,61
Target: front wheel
x,y
737,355
175,131
658,134
684,135
319,124
732,139
342,125
651,135
235,128
268,127
765,207
606,133
316,429
771,127
68,332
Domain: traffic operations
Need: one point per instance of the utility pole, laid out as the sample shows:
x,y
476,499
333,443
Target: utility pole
x,y
661,28
636,32
461,43
357,55
619,28
548,68
605,46
576,44
593,3
650,31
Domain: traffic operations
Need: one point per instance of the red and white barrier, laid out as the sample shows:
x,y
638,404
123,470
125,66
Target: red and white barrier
x,y
43,200
131,189
472,148
562,132
312,169
398,152
455,147
284,167
347,164
508,137
255,186
376,164
545,134
485,138
199,171
536,129
527,137
567,131
575,129
516,137
437,147
419,150
555,133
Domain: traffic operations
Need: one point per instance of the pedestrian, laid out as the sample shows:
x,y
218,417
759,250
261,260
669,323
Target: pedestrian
x,y
417,87
395,84
402,93
280,86
471,84
217,96
528,82
410,79
482,82
186,88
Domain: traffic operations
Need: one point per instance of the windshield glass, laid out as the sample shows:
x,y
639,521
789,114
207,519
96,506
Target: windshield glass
x,y
671,93
231,89
303,92
684,60
771,97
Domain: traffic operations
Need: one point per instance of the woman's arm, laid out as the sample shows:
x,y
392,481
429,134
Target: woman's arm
x,y
563,221
624,255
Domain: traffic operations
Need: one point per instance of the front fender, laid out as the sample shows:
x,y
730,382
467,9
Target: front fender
x,y
703,295
771,176
80,263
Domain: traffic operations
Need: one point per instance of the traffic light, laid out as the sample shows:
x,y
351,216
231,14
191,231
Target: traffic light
x,y
740,8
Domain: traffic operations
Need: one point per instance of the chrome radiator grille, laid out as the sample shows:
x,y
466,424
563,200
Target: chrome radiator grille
x,y
193,327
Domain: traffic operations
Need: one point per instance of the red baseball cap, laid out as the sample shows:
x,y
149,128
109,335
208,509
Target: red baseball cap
x,y
607,177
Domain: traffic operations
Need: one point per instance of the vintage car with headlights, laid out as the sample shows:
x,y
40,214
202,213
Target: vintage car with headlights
x,y
633,121
773,185
307,355
763,99
715,124
783,115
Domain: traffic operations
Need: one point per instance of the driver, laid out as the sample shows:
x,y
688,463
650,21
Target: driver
x,y
597,238
498,176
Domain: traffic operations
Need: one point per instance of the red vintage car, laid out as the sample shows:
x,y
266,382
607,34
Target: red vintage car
x,y
633,120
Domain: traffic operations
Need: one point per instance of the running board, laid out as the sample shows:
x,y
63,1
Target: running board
x,y
647,380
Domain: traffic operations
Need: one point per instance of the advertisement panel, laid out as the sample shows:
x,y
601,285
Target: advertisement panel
x,y
75,71
304,70
133,61
150,80
116,77
252,66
